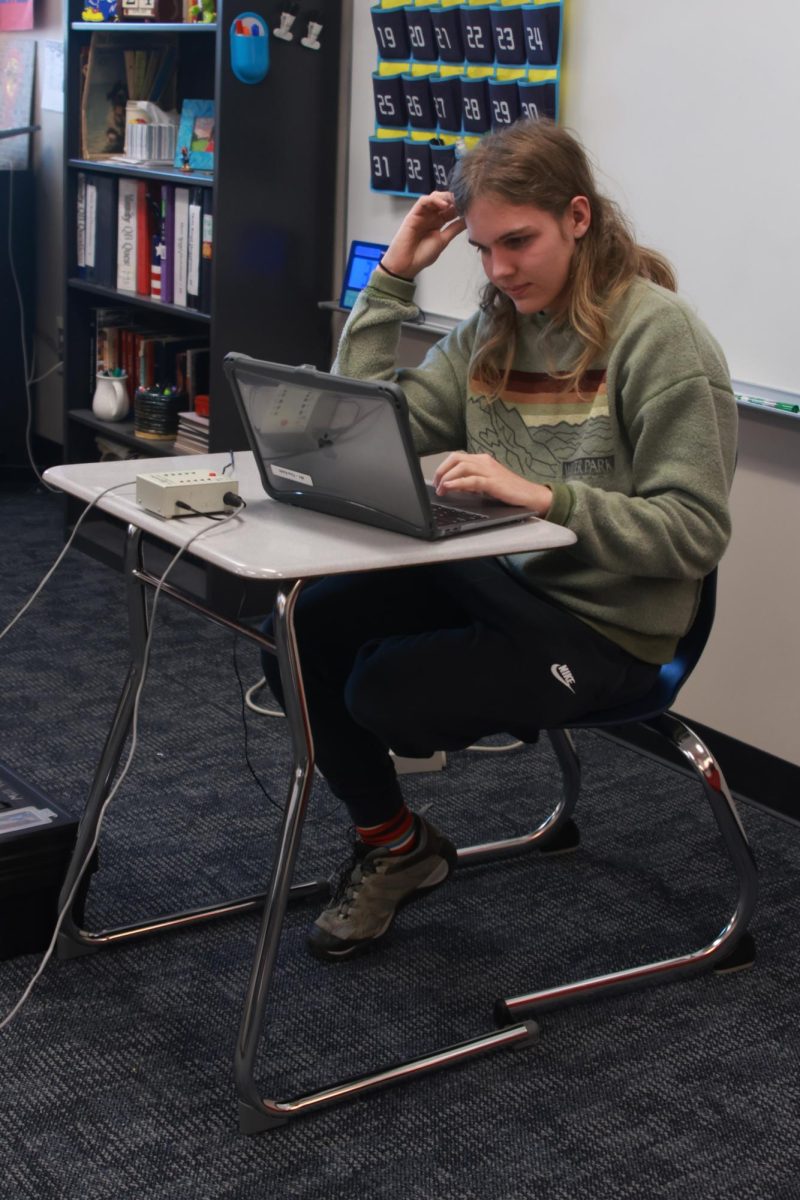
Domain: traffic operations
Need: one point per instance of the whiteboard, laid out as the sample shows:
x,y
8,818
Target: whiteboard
x,y
691,108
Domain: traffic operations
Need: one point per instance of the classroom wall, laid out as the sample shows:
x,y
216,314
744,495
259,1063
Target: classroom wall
x,y
690,109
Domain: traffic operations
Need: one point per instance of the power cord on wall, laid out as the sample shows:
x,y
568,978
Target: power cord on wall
x,y
29,381
134,734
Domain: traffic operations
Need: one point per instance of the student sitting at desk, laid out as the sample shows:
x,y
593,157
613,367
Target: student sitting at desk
x,y
582,387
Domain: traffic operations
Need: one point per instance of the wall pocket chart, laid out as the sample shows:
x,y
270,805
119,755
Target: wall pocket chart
x,y
450,71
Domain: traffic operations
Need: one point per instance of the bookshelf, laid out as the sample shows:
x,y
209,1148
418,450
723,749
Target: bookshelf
x,y
273,196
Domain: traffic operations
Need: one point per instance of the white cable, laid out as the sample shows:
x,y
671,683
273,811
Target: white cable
x,y
49,371
78,523
134,738
248,699
496,749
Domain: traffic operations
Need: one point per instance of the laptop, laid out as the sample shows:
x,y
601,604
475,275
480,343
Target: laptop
x,y
361,262
343,447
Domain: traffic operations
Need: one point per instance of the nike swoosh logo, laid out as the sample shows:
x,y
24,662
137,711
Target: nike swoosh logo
x,y
562,673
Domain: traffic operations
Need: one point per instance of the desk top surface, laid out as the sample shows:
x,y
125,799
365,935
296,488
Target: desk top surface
x,y
270,540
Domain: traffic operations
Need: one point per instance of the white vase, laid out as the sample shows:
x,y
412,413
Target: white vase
x,y
110,401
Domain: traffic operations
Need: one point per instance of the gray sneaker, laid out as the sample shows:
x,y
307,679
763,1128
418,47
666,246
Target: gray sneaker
x,y
373,887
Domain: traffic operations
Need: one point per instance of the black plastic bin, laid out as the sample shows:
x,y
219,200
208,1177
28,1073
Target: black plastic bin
x,y
33,863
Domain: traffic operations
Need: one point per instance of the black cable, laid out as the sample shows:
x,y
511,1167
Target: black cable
x,y
230,498
195,512
250,766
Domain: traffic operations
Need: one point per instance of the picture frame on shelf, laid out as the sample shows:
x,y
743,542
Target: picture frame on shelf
x,y
196,136
162,11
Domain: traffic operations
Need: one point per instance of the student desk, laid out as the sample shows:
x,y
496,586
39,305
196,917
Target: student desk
x,y
286,545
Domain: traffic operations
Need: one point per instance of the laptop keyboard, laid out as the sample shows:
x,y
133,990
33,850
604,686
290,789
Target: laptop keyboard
x,y
444,516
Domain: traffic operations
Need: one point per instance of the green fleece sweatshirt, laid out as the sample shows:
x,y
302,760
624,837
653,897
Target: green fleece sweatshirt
x,y
640,461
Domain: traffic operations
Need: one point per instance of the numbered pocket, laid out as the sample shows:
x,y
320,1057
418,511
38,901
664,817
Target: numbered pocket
x,y
542,28
447,32
418,167
443,159
474,105
421,42
390,105
476,31
537,100
387,166
504,102
418,102
508,35
446,97
391,33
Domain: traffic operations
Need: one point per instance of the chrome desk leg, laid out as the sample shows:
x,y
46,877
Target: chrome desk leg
x,y
257,1114
253,1111
72,939
719,953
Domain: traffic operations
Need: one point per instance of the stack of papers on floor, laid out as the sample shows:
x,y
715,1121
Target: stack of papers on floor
x,y
192,437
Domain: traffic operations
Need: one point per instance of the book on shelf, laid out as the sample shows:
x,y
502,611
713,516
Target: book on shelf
x,y
150,239
168,248
192,368
80,217
126,235
143,234
148,357
180,258
192,435
194,242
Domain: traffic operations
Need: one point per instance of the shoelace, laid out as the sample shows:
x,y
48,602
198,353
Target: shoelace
x,y
351,877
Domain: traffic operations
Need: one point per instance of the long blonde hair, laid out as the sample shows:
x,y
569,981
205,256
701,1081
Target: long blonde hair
x,y
541,164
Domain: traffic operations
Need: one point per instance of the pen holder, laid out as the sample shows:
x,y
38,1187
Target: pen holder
x,y
249,47
155,413
110,400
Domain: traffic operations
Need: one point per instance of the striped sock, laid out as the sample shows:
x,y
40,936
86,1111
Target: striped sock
x,y
396,836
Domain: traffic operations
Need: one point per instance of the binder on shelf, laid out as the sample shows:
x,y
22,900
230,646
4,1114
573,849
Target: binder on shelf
x,y
157,243
80,219
181,247
194,247
143,236
126,235
101,230
167,258
206,251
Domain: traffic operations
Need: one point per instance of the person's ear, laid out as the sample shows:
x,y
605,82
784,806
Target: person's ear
x,y
580,215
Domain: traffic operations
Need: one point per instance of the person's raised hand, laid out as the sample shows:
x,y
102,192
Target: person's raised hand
x,y
429,227
482,475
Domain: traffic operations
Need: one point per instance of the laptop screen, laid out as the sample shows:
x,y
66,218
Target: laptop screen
x,y
361,262
330,443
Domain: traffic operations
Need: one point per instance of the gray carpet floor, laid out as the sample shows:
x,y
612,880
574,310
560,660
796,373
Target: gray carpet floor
x,y
116,1077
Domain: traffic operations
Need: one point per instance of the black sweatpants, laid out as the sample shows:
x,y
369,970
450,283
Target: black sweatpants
x,y
432,658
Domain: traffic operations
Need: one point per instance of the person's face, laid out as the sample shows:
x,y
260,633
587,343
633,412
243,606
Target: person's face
x,y
525,251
